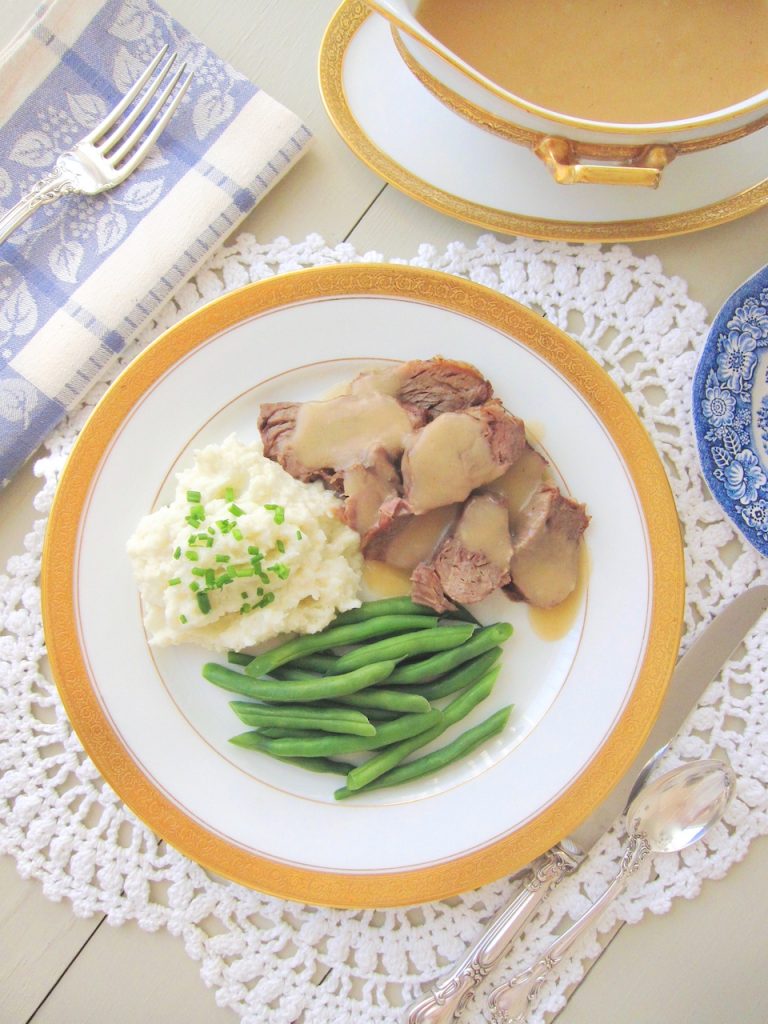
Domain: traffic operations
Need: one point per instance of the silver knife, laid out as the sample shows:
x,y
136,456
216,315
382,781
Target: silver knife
x,y
695,670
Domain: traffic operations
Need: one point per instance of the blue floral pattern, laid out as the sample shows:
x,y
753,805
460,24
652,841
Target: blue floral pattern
x,y
730,406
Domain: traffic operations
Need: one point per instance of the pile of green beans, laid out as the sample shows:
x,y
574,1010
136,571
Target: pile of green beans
x,y
375,680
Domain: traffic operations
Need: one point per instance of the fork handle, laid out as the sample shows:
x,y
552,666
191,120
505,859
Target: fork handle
x,y
49,188
452,993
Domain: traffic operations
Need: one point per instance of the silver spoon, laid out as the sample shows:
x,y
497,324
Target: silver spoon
x,y
674,811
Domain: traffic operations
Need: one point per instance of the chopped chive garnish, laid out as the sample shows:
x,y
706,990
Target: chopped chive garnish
x,y
299,535
280,570
281,547
254,551
243,593
263,577
259,591
267,599
174,582
194,586
177,553
197,511
243,570
198,571
236,533
203,603
222,558
223,525
244,609
210,578
193,556
183,620
271,508
236,510
229,494
194,496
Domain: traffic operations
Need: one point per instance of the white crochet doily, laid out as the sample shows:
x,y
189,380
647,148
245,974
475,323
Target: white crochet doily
x,y
264,957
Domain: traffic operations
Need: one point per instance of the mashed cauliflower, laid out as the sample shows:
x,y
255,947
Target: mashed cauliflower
x,y
243,553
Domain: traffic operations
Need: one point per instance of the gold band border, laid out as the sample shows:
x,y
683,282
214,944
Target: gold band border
x,y
435,881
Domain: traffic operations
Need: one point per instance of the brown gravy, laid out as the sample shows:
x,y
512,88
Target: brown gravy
x,y
636,61
555,623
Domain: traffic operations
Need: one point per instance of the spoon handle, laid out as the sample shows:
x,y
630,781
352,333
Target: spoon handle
x,y
509,1002
454,990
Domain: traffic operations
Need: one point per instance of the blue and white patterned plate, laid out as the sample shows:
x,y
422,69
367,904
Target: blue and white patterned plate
x,y
730,408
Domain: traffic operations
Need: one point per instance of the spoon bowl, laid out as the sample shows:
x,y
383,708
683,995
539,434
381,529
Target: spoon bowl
x,y
680,807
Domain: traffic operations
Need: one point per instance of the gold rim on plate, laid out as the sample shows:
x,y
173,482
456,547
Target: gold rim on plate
x,y
122,771
340,32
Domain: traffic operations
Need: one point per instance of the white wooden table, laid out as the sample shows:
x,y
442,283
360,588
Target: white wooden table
x,y
704,962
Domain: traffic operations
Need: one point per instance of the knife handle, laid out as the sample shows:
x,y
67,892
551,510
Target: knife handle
x,y
452,993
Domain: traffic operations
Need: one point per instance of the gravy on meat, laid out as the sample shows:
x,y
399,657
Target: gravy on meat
x,y
341,431
439,481
419,537
520,481
484,528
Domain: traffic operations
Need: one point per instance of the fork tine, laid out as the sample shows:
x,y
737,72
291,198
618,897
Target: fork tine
x,y
150,93
152,138
148,118
126,101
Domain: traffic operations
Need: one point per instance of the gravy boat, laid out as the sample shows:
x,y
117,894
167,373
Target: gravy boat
x,y
575,150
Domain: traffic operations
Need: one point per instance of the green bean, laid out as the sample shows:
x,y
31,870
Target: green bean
x,y
281,692
375,714
302,716
386,700
311,643
404,646
460,678
322,663
429,763
428,669
294,674
276,732
239,658
391,756
387,606
253,741
388,732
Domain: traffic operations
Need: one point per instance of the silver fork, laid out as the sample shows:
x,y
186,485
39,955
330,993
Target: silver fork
x,y
114,149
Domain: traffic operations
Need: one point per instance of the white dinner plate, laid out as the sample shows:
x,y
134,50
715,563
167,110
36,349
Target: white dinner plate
x,y
395,124
584,698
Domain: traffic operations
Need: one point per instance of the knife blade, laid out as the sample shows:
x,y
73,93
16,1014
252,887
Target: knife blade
x,y
694,671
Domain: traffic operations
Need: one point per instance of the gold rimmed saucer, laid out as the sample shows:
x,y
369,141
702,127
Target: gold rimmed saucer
x,y
421,161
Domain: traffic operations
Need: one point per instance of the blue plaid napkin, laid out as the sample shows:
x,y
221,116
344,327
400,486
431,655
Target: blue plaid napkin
x,y
82,275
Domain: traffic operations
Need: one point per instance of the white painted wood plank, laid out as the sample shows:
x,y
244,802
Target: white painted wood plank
x,y
126,975
38,940
702,963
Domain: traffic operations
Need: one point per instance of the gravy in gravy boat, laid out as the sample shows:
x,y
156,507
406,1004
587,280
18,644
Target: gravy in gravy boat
x,y
631,62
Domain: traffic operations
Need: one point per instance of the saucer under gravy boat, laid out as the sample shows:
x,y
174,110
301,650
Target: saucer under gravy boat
x,y
402,129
